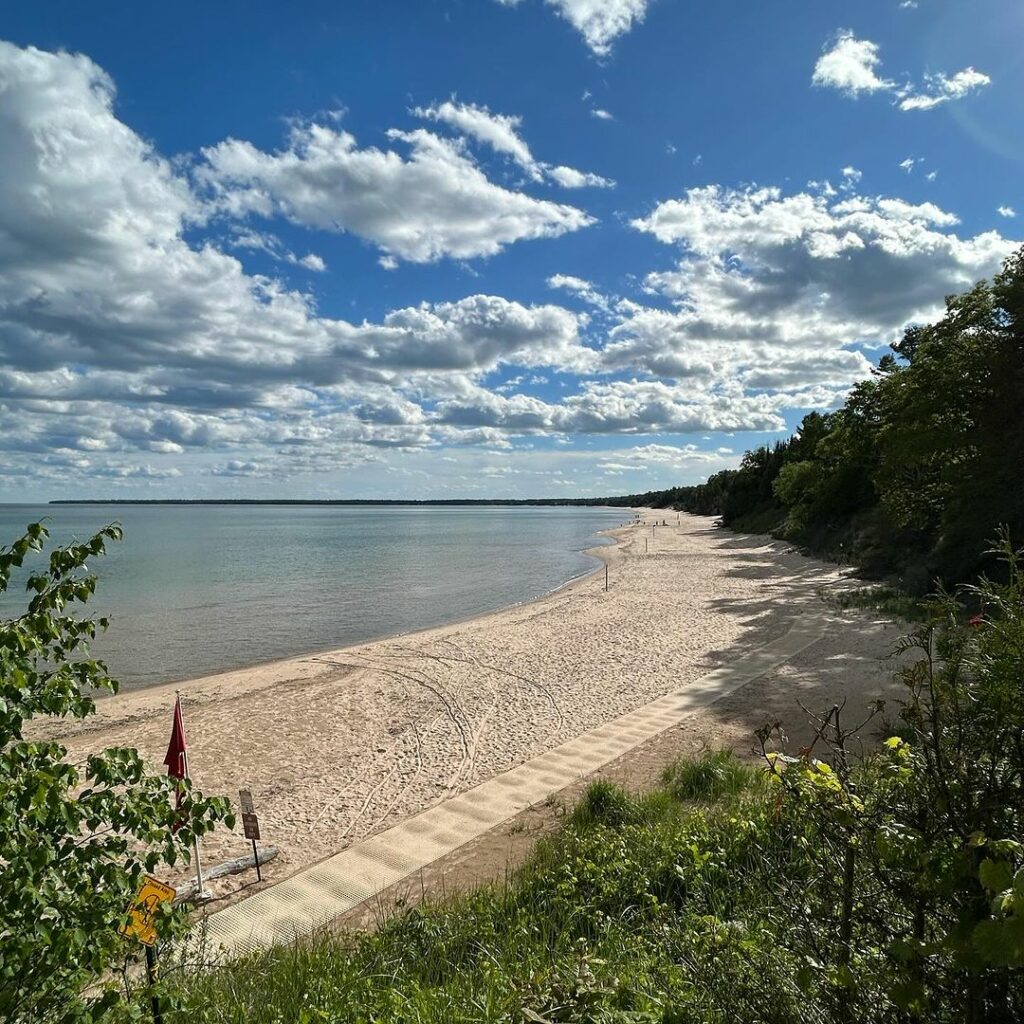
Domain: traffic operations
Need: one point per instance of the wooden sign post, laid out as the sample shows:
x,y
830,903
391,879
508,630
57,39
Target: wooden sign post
x,y
251,827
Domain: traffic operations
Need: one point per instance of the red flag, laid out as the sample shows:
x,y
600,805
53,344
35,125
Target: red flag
x,y
177,766
175,757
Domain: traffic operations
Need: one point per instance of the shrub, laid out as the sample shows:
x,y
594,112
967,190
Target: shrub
x,y
715,775
75,839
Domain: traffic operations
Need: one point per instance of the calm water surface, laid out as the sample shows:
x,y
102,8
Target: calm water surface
x,y
199,589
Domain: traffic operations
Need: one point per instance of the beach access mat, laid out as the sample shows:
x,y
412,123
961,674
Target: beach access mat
x,y
315,896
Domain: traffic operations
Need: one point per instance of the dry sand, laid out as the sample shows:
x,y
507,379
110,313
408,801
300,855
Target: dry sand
x,y
337,746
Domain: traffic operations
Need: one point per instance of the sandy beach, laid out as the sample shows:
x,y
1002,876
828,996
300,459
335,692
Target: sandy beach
x,y
337,746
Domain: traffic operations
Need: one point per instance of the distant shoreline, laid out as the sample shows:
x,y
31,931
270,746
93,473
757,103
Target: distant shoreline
x,y
611,502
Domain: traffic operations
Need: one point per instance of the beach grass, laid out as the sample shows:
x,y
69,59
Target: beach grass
x,y
728,895
613,919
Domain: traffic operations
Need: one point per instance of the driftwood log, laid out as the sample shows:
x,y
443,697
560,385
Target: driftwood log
x,y
187,892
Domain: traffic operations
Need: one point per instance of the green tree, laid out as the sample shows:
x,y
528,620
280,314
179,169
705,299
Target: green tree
x,y
75,839
913,475
913,885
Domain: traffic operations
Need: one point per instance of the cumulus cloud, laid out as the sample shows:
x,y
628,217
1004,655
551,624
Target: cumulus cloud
x,y
852,65
501,133
615,407
776,291
434,203
569,177
118,335
581,288
599,22
675,457
1006,211
129,350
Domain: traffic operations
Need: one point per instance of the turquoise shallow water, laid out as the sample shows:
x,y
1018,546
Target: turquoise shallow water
x,y
199,589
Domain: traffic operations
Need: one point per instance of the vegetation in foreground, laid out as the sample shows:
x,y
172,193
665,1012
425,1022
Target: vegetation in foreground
x,y
912,476
820,888
75,839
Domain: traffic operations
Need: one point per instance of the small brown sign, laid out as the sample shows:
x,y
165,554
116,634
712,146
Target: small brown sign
x,y
250,825
245,799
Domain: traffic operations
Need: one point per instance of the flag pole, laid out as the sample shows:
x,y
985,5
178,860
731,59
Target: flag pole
x,y
202,893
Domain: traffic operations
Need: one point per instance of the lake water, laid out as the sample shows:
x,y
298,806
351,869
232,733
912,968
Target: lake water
x,y
198,589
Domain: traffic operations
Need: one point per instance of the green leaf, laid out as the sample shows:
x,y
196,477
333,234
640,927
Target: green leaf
x,y
995,875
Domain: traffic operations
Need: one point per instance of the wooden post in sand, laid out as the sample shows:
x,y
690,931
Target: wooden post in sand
x,y
606,577
646,542
251,827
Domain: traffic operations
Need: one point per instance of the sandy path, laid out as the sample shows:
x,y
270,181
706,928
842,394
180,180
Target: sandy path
x,y
336,746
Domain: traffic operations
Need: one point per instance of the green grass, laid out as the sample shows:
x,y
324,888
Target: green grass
x,y
712,900
612,920
709,778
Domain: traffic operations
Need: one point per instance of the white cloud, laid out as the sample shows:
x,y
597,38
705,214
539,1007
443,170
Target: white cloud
x,y
615,407
569,177
851,174
601,22
436,203
602,115
940,88
675,456
773,291
501,133
581,288
850,65
117,335
264,241
130,352
909,164
1006,211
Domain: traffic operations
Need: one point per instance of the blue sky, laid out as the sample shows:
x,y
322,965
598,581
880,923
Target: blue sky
x,y
477,248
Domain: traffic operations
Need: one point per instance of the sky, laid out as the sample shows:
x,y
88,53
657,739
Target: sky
x,y
476,248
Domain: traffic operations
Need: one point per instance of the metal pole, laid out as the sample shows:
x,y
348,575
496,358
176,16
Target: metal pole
x,y
256,858
151,973
202,892
606,577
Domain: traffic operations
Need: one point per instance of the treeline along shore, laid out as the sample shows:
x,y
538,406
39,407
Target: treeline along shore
x,y
913,477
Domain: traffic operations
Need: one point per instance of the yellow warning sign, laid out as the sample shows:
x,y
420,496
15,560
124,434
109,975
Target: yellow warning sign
x,y
142,913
